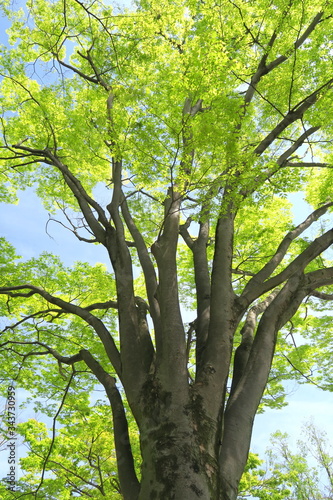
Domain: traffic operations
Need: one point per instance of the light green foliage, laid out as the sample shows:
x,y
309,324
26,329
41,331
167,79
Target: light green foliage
x,y
259,483
266,223
78,459
83,284
304,475
141,55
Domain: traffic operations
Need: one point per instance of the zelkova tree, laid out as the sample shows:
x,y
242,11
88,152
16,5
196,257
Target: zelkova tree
x,y
199,117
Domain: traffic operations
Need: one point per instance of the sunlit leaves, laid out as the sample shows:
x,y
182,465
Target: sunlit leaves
x,y
82,457
250,253
153,60
38,324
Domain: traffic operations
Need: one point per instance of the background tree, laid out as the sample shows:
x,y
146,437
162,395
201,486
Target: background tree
x,y
304,475
199,118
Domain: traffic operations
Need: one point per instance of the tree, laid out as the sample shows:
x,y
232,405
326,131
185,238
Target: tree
x,y
199,118
305,475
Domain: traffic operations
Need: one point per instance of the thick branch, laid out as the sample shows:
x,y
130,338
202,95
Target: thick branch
x,y
264,69
247,332
203,288
222,294
296,113
189,112
307,164
126,471
256,285
89,318
310,253
173,345
316,20
216,357
267,174
202,279
109,304
282,160
183,231
243,404
322,295
319,278
135,341
147,267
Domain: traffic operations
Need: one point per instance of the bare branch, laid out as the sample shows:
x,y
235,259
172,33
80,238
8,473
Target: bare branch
x,y
85,202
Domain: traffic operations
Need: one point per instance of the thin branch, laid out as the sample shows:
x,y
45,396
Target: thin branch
x,y
307,377
54,432
66,360
46,312
73,230
315,21
242,273
78,476
75,70
100,80
105,29
85,202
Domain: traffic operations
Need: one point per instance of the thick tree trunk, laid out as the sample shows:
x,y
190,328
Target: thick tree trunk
x,y
174,466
